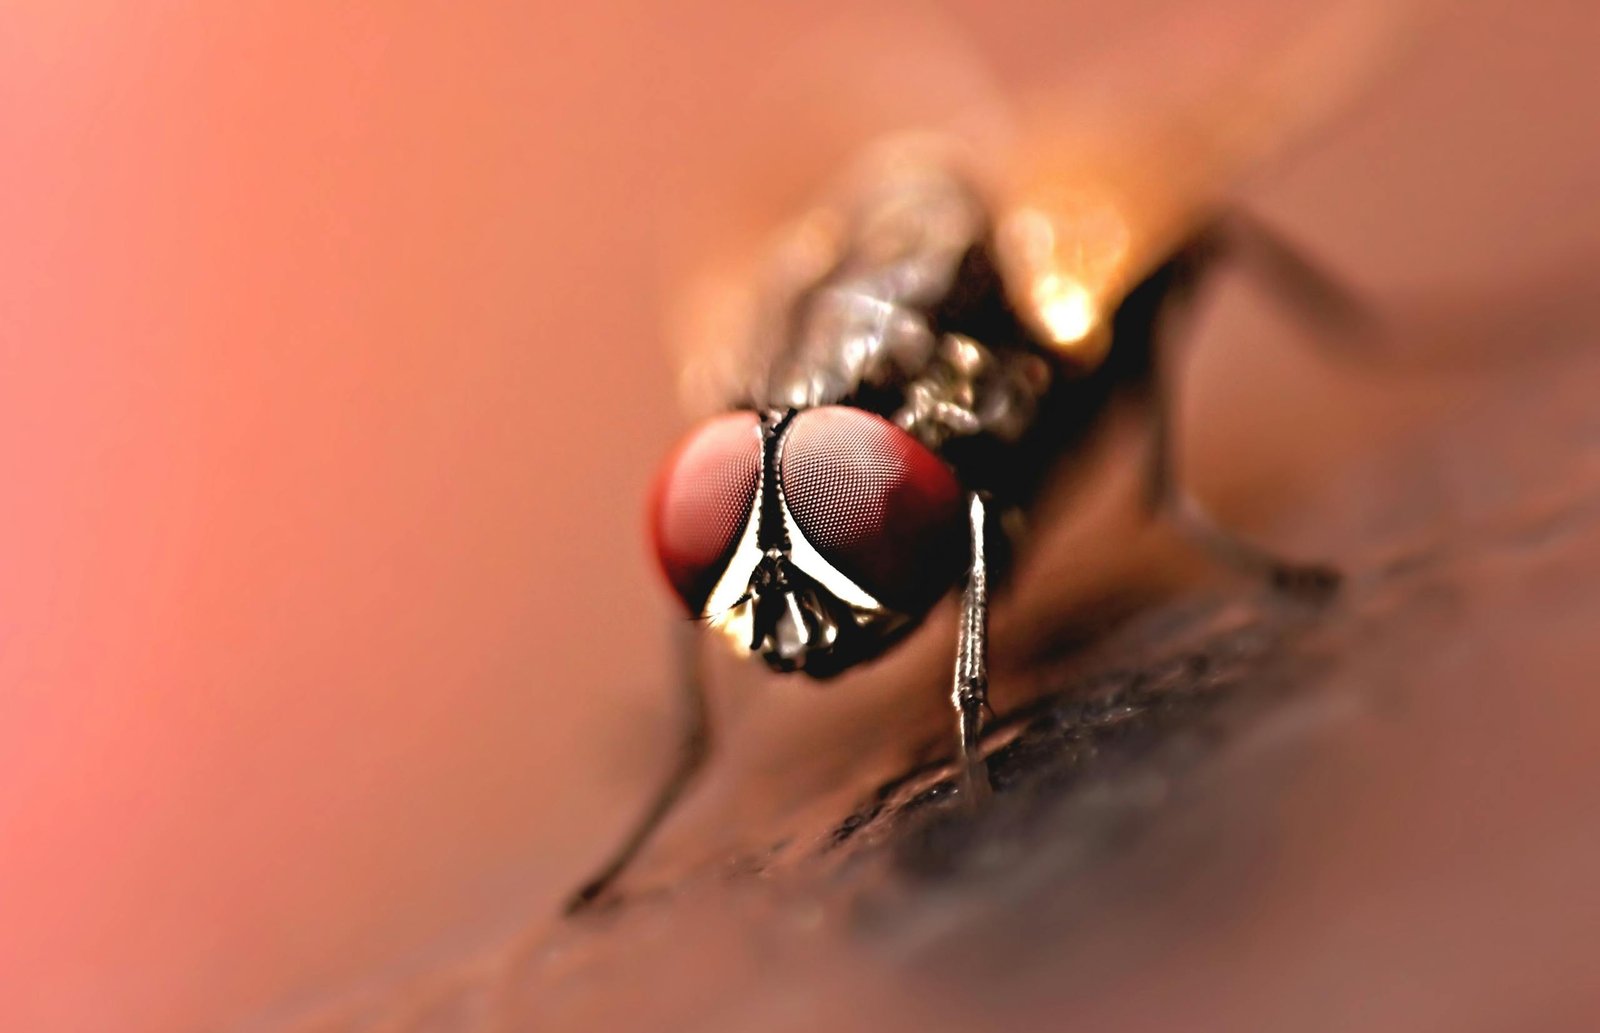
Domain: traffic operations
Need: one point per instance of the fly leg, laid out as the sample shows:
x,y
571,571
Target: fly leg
x,y
970,692
693,747
1327,306
1337,316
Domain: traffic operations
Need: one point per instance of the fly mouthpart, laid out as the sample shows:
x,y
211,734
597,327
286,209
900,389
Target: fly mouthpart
x,y
794,618
805,625
795,622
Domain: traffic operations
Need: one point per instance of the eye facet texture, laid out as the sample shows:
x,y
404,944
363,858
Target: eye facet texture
x,y
703,498
875,503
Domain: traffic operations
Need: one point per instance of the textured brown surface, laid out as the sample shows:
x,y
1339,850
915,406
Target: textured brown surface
x,y
331,652
1230,810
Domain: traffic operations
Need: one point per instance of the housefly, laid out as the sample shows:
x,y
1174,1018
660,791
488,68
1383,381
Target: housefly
x,y
916,352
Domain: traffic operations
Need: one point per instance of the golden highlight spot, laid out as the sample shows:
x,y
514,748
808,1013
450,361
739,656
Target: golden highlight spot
x,y
1066,309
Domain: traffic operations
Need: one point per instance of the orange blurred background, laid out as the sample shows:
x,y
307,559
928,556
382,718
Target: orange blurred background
x,y
330,382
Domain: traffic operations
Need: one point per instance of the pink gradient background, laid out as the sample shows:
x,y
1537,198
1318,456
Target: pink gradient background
x,y
330,382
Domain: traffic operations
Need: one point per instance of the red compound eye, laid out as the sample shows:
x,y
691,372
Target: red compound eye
x,y
875,503
703,498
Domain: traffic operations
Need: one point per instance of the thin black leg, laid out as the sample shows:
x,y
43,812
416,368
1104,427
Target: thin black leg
x,y
1325,304
970,693
694,747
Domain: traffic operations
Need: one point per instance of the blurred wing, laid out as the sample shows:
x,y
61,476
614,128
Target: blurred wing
x,y
1093,181
760,213
1115,173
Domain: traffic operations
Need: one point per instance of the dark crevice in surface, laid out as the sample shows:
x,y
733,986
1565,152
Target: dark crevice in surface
x,y
1108,733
